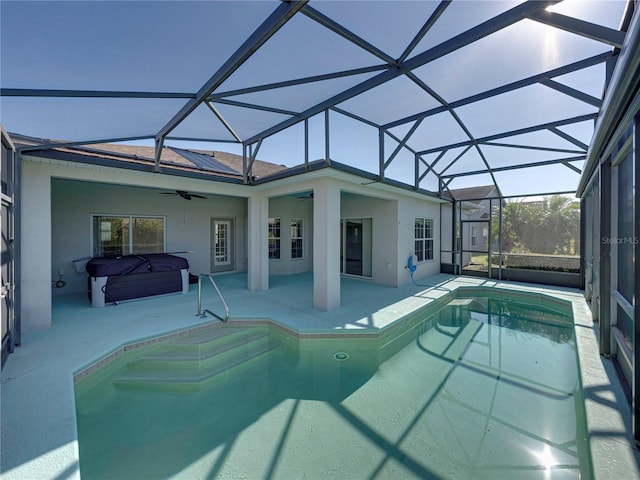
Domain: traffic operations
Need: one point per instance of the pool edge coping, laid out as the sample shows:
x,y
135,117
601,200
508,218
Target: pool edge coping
x,y
372,333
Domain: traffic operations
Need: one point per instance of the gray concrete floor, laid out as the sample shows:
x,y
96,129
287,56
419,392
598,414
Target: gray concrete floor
x,y
39,438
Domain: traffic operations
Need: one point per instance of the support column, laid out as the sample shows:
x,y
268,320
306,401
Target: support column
x,y
326,245
258,248
35,246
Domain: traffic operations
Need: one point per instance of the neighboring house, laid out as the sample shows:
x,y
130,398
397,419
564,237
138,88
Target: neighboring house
x,y
479,196
322,217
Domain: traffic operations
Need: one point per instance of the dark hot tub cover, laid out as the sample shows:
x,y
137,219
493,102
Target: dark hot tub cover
x,y
132,264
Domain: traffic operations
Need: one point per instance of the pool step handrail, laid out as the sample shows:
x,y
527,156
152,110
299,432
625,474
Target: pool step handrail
x,y
203,313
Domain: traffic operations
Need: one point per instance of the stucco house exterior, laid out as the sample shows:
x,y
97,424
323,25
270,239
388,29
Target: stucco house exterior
x,y
324,218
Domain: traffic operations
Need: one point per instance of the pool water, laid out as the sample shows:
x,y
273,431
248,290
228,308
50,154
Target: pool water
x,y
480,388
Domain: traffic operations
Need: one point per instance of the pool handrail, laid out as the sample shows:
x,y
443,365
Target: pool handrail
x,y
203,313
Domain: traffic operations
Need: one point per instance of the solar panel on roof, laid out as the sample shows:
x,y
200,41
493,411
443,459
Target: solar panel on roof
x,y
204,161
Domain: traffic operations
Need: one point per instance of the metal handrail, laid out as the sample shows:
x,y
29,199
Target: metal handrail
x,y
203,313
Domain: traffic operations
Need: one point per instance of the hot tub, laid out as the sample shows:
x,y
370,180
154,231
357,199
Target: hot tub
x,y
112,280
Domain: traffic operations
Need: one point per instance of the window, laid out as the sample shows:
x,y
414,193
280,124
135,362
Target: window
x,y
115,236
424,239
296,238
474,235
274,239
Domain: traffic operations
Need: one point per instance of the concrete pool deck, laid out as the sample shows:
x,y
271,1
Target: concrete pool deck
x,y
39,438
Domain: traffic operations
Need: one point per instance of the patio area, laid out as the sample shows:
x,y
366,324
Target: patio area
x,y
39,438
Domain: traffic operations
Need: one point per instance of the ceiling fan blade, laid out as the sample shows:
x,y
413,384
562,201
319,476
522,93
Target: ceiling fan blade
x,y
182,193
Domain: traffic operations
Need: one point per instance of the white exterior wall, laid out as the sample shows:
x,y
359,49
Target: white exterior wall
x,y
393,214
287,208
384,227
187,223
408,210
58,199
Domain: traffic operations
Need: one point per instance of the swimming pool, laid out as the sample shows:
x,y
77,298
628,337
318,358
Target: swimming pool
x,y
476,386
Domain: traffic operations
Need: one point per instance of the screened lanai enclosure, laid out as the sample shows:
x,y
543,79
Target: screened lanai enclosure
x,y
520,118
436,95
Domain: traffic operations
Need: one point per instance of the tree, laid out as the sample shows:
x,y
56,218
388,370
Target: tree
x,y
549,226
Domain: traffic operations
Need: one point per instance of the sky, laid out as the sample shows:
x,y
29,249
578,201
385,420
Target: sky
x,y
171,46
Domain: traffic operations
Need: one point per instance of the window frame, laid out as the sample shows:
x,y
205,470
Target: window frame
x,y
131,218
272,239
300,228
427,241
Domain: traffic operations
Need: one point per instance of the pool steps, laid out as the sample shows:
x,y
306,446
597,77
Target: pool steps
x,y
197,362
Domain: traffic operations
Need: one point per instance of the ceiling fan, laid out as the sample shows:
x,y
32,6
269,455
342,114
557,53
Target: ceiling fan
x,y
305,196
184,194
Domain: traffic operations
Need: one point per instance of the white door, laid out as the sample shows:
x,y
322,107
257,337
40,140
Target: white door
x,y
221,244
